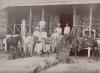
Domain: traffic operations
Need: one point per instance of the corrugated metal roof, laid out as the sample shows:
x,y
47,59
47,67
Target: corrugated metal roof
x,y
6,3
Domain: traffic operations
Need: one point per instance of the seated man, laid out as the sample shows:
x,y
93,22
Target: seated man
x,y
41,36
35,37
36,34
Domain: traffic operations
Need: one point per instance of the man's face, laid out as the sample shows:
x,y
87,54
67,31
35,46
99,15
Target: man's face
x,y
58,24
66,24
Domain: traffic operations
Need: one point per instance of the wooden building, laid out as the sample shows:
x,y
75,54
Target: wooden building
x,y
78,13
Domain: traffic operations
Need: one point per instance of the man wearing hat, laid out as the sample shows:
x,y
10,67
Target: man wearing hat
x,y
57,36
36,34
41,35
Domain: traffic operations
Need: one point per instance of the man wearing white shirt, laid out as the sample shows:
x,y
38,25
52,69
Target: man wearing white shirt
x,y
58,29
56,36
66,30
36,34
41,35
57,32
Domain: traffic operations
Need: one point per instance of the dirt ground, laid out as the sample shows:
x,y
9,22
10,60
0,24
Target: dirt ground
x,y
82,65
25,65
29,65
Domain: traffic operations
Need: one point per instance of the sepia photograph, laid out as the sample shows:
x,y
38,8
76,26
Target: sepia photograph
x,y
49,36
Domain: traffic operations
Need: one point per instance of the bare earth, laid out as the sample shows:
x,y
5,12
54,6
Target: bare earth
x,y
28,65
82,65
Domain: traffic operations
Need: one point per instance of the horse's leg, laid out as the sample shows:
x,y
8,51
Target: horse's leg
x,y
48,53
16,52
30,51
57,52
95,54
75,54
42,53
92,54
34,51
22,52
8,48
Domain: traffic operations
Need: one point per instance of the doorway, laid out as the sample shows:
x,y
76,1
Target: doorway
x,y
66,18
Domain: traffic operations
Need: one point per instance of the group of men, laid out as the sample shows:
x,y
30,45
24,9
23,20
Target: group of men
x,y
58,31
40,35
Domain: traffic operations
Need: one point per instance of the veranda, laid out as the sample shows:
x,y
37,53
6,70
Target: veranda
x,y
83,16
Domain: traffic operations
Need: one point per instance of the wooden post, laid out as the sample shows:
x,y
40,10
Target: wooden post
x,y
90,21
42,22
30,32
74,16
42,14
30,21
14,29
23,27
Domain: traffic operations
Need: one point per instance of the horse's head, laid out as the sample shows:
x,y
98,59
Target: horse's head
x,y
19,37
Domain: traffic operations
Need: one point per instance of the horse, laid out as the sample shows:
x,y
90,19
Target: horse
x,y
75,47
93,44
63,48
12,46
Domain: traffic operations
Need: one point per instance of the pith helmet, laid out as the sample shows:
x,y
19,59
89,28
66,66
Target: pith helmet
x,y
42,23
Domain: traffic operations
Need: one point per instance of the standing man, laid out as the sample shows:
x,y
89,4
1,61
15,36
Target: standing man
x,y
57,32
66,30
57,36
66,34
36,34
58,29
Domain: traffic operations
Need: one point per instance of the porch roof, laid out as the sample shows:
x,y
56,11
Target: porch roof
x,y
6,3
